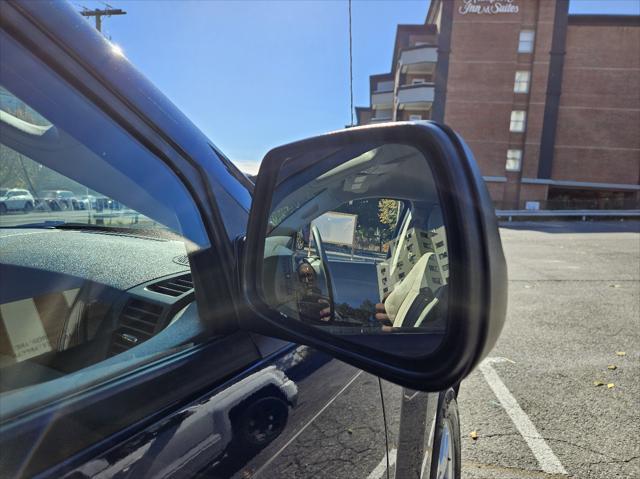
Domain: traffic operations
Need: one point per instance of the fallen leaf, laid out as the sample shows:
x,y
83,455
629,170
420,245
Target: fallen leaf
x,y
598,383
612,367
611,386
621,353
350,431
614,285
473,435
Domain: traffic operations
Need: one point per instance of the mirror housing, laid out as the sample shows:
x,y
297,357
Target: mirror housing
x,y
478,278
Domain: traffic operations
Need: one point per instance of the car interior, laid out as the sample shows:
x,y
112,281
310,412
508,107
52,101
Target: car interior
x,y
86,291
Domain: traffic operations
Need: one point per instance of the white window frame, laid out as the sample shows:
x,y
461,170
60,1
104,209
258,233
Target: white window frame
x,y
518,123
514,160
526,40
415,117
522,81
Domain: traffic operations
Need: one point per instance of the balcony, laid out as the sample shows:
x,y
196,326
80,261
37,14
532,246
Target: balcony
x,y
421,59
416,97
382,100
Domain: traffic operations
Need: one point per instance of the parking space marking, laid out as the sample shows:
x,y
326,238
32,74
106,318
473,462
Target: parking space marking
x,y
547,460
381,468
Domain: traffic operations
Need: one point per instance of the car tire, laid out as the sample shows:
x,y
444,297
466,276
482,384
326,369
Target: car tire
x,y
28,206
3,208
447,447
258,423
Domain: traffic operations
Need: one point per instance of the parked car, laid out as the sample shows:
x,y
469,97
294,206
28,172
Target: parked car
x,y
15,199
58,200
206,342
87,202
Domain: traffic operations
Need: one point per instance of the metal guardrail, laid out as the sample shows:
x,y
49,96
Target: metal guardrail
x,y
574,204
583,214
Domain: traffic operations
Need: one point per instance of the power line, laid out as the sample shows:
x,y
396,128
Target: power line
x,y
350,63
98,13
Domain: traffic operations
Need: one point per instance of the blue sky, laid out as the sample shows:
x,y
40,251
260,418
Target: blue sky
x,y
255,74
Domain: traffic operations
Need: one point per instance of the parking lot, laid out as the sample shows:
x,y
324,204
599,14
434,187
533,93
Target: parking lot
x,y
574,303
534,406
122,218
559,395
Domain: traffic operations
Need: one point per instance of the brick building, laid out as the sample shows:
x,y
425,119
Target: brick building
x,y
548,101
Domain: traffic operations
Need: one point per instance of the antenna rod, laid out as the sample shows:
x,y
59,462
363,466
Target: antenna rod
x,y
350,63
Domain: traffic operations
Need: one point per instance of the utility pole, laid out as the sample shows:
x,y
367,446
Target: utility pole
x,y
98,13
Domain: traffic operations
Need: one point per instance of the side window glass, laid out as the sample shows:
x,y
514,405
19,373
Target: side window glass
x,y
95,237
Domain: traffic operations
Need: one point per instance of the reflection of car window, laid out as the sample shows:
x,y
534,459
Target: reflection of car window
x,y
84,298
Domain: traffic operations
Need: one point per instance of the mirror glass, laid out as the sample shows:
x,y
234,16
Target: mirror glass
x,y
356,242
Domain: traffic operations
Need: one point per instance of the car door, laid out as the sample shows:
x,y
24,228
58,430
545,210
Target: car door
x,y
118,338
13,200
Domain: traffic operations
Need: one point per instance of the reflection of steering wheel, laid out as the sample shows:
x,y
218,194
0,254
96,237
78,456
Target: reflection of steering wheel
x,y
324,269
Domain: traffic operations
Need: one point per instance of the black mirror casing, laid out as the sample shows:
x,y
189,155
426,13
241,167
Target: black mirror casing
x,y
476,262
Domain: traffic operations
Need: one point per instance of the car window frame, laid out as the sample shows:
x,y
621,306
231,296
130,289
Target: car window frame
x,y
213,286
22,26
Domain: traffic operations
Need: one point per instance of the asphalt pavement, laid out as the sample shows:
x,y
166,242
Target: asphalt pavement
x,y
558,397
574,309
560,394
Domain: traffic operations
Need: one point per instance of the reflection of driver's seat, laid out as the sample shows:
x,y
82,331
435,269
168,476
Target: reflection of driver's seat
x,y
415,297
424,288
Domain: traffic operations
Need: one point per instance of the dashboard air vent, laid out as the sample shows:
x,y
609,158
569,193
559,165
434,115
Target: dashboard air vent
x,y
182,259
138,322
176,286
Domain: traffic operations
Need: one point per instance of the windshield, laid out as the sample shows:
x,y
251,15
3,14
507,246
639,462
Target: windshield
x,y
59,207
55,170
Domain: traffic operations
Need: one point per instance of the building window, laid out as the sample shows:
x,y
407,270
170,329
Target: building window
x,y
514,160
518,120
521,84
417,81
415,117
526,41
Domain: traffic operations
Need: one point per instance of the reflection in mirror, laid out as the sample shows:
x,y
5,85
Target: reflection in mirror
x,y
356,242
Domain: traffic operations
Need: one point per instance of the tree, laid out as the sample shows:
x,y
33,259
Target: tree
x,y
388,216
388,212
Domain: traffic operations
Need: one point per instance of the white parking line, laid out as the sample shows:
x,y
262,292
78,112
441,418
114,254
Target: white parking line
x,y
547,460
381,468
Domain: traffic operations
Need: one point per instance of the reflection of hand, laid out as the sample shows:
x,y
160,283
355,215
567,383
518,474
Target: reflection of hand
x,y
316,307
381,313
325,313
382,316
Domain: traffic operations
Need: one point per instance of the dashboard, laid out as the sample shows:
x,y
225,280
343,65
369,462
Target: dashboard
x,y
73,298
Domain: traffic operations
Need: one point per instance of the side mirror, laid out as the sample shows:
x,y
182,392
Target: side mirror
x,y
380,246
